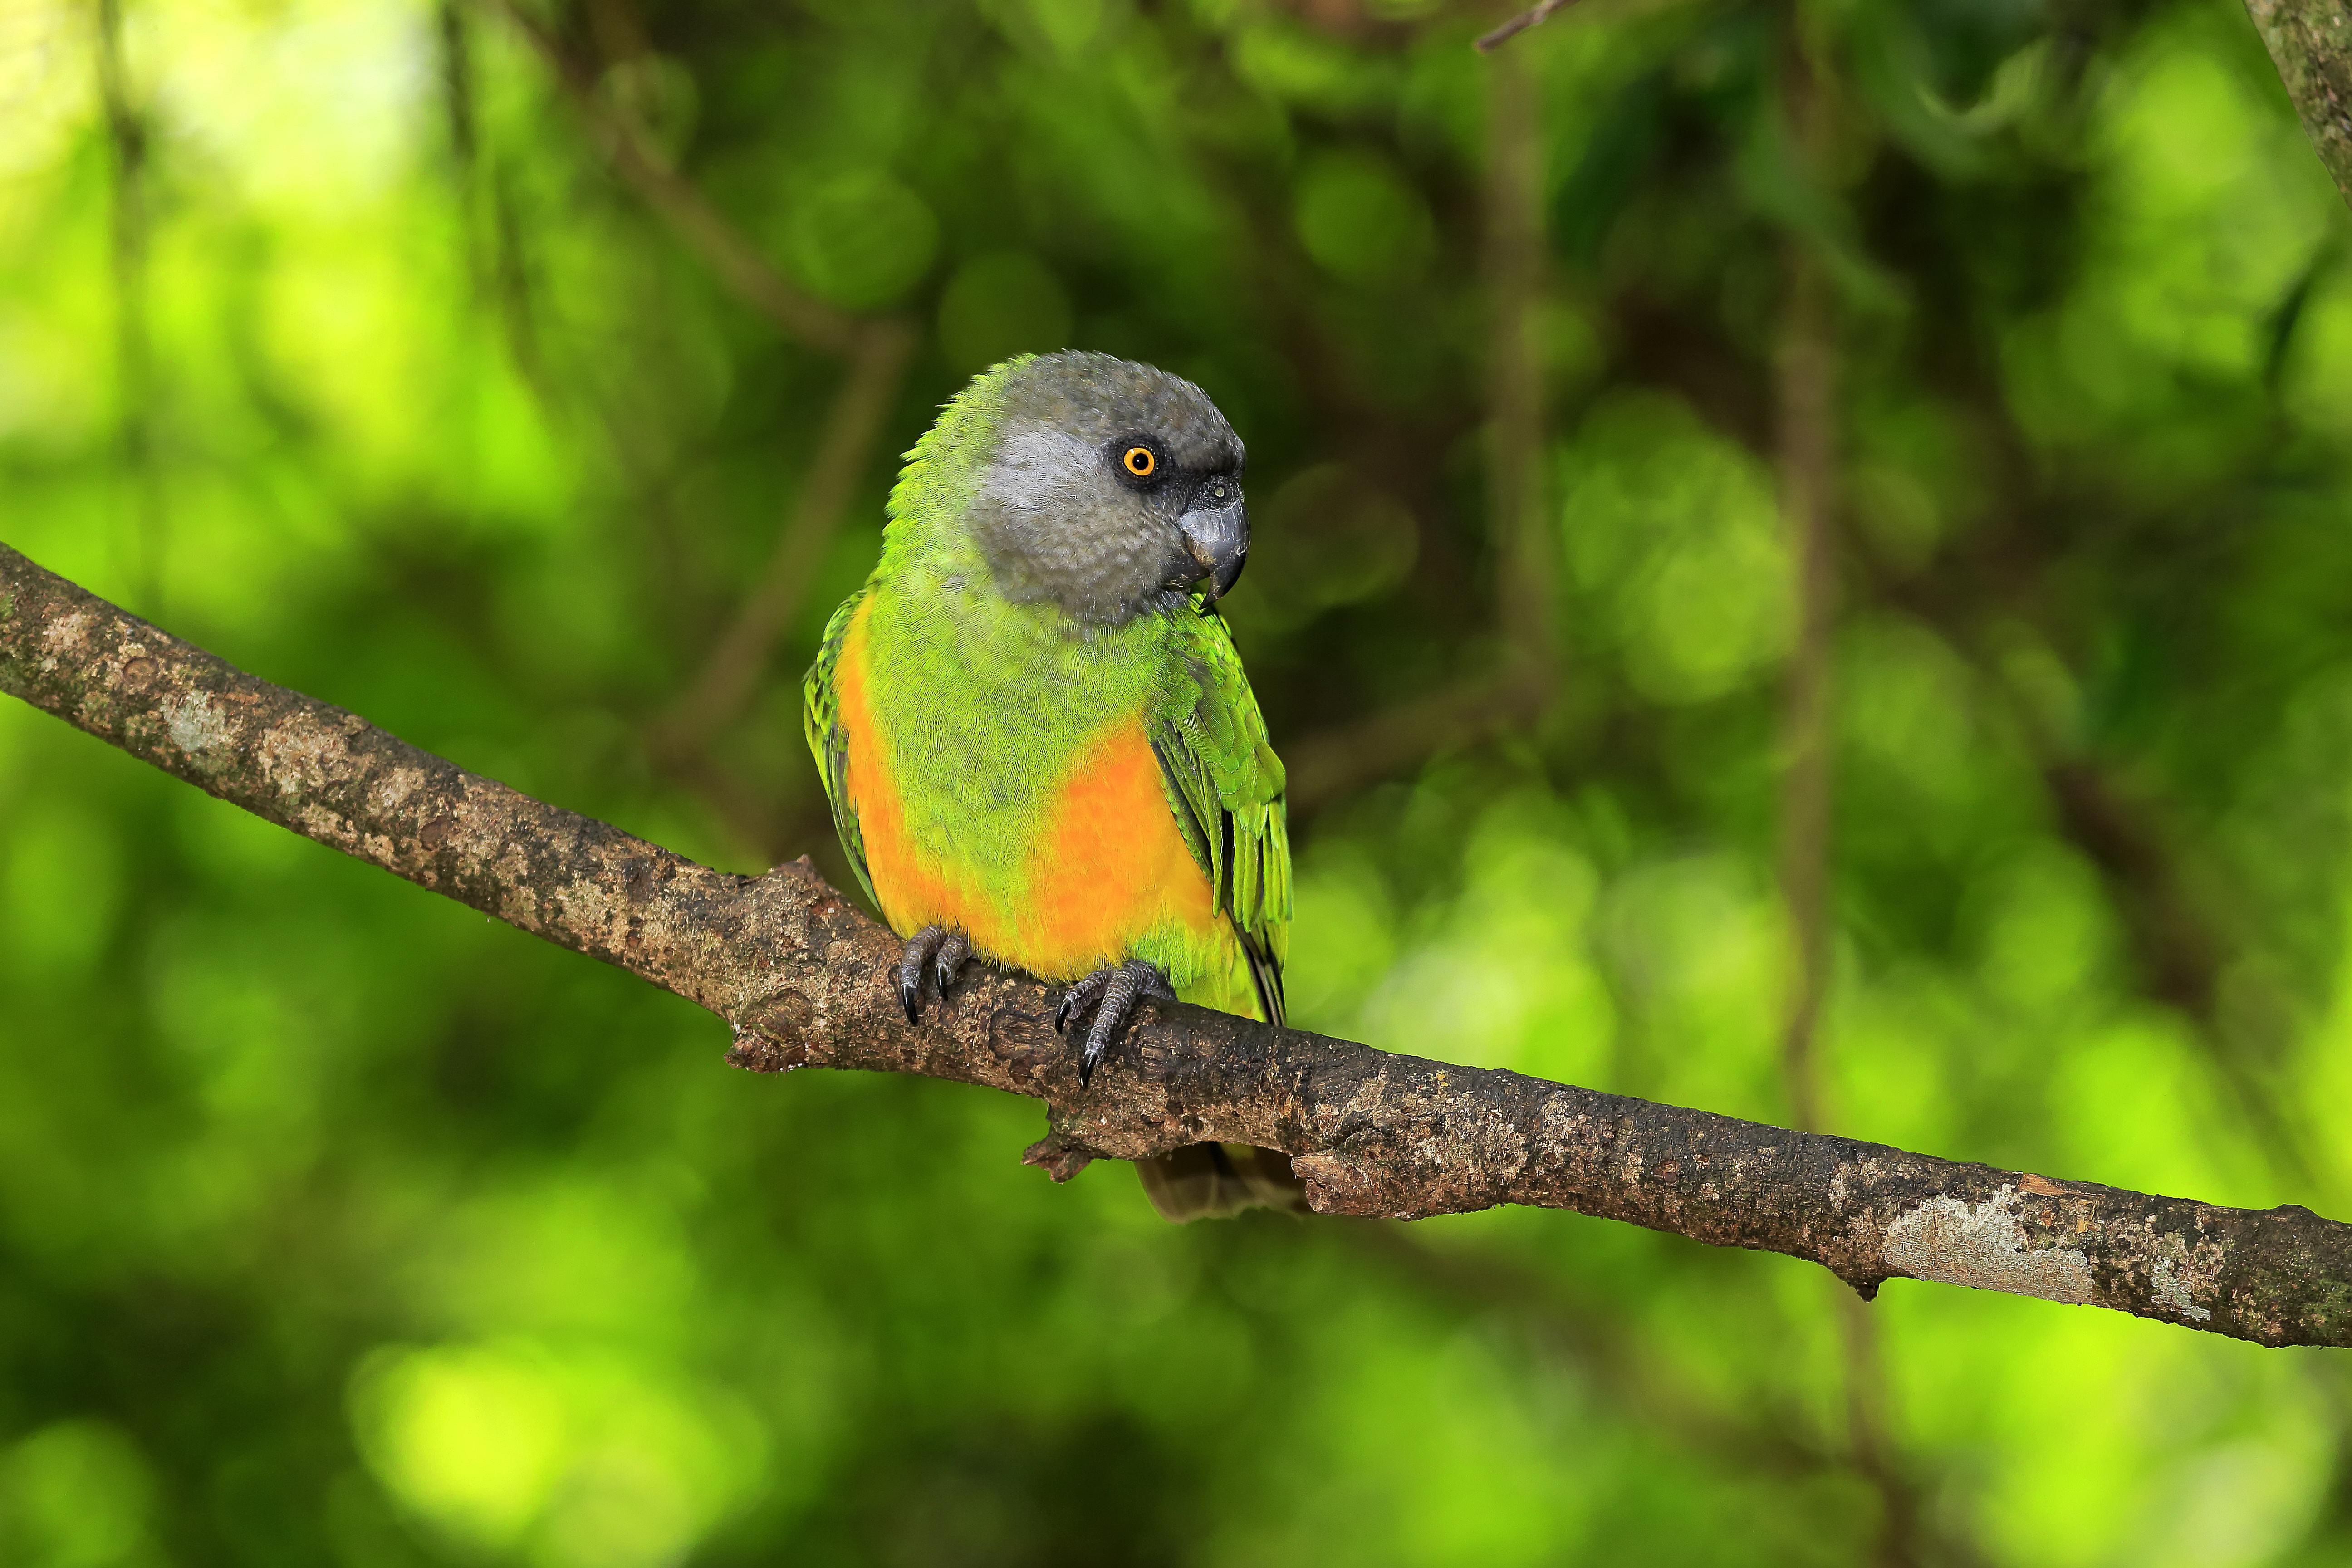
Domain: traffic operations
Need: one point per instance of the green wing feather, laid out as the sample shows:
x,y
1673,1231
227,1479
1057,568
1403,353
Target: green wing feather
x,y
1225,786
821,722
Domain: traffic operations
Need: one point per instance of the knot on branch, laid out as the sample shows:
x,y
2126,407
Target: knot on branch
x,y
1035,1057
772,1035
1336,1185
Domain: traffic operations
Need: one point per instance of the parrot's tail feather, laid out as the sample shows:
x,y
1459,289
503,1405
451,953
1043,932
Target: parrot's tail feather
x,y
1210,1181
1265,978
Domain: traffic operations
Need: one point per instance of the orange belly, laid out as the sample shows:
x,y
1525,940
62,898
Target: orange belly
x,y
1102,875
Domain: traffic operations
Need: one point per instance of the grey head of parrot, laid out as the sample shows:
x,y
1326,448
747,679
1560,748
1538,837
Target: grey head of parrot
x,y
1109,489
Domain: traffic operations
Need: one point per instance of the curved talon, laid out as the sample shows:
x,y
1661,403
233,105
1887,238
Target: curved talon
x,y
947,966
1080,997
1120,989
920,947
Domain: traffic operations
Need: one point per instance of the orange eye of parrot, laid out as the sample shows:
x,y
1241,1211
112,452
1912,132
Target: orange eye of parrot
x,y
1140,461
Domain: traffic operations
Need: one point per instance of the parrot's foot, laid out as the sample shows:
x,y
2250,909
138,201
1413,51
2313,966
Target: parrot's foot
x,y
1112,993
944,951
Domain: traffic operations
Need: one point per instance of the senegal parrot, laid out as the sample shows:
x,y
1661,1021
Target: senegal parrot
x,y
1035,734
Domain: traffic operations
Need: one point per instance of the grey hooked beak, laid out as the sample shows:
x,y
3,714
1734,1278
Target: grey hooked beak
x,y
1216,535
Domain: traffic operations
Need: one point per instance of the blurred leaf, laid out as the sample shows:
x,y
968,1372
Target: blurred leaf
x,y
1000,305
860,238
1361,222
76,1495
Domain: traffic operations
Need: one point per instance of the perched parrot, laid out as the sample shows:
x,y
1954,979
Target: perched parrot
x,y
1038,742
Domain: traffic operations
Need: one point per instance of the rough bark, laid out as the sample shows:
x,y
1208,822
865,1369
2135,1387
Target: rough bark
x,y
805,981
2310,41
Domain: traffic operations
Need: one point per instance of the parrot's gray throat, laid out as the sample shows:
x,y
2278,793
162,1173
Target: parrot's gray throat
x,y
1112,489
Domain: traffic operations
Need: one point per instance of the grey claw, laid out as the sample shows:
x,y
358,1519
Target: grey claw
x,y
1098,1038
920,947
1079,998
1120,988
947,966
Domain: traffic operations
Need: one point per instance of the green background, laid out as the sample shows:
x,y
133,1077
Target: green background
x,y
340,1226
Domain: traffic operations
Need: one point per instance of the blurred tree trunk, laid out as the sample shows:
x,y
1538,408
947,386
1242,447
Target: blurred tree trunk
x,y
2311,43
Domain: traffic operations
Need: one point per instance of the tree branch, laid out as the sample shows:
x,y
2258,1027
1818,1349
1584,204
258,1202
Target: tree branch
x,y
1534,15
805,980
2310,42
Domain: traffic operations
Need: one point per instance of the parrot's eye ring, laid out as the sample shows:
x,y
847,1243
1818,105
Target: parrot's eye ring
x,y
1140,462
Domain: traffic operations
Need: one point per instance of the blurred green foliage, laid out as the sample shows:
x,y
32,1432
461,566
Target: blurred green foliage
x,y
338,1225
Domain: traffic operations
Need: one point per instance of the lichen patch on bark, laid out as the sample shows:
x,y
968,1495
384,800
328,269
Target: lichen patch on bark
x,y
194,725
1983,1245
2170,1288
